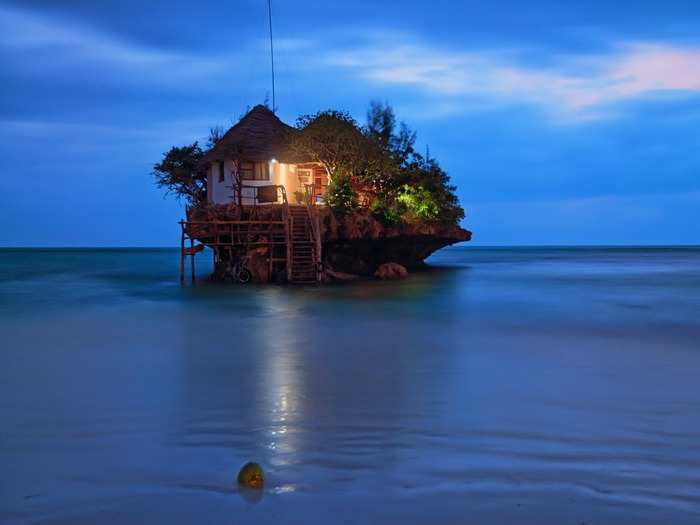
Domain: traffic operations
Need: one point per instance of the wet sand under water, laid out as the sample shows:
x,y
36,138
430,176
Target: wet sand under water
x,y
504,386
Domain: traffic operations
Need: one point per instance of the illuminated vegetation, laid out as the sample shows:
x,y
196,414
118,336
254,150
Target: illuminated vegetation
x,y
376,165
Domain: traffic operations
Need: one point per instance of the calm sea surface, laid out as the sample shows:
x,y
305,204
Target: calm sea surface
x,y
526,386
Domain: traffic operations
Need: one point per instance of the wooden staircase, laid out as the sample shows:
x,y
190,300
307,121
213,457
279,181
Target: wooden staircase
x,y
302,263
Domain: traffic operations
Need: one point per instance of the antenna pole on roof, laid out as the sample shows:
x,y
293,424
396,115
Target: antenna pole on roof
x,y
272,54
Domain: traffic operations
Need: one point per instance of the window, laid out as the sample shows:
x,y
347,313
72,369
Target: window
x,y
222,174
254,171
304,175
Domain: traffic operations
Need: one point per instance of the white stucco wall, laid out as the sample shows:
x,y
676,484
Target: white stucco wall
x,y
222,192
218,192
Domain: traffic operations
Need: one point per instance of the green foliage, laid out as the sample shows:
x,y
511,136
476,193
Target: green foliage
x,y
393,165
434,179
332,138
377,162
388,214
397,145
340,194
179,173
418,202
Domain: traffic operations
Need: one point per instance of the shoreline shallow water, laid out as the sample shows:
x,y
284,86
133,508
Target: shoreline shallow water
x,y
528,385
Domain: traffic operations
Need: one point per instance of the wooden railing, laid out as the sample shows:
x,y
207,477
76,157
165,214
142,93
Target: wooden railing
x,y
288,239
310,203
243,232
310,196
267,194
235,236
309,191
250,230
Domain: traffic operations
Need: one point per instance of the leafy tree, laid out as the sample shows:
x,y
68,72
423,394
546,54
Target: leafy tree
x,y
397,145
333,139
179,173
402,181
381,175
378,160
340,194
216,133
433,178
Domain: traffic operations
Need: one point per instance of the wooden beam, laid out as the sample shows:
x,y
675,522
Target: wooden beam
x,y
182,255
192,256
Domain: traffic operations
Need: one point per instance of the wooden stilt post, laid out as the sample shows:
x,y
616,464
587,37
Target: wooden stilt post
x,y
192,254
288,239
270,247
182,255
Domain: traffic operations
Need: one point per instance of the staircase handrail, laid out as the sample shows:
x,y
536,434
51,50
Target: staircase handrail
x,y
312,210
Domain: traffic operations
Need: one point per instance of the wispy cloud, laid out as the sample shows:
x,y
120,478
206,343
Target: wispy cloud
x,y
570,87
580,87
56,43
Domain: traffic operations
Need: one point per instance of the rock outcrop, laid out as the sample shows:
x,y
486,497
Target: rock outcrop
x,y
389,271
359,244
353,245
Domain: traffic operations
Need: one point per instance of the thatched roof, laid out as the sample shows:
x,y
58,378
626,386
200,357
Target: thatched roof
x,y
258,136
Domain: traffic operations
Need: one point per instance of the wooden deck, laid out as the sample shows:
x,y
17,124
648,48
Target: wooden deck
x,y
290,241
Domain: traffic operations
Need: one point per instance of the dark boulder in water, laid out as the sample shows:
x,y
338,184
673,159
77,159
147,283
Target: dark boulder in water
x,y
251,476
391,270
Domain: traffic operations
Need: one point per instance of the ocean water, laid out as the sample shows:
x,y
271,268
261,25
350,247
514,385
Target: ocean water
x,y
530,385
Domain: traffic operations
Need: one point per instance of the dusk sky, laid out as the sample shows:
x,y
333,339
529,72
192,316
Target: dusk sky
x,y
559,123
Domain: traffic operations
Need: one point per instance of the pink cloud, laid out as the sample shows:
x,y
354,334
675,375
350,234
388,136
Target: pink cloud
x,y
656,67
580,90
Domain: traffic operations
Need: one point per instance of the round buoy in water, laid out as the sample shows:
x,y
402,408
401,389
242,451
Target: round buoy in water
x,y
251,476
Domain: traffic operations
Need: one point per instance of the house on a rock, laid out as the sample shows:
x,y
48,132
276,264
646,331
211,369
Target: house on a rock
x,y
265,218
258,150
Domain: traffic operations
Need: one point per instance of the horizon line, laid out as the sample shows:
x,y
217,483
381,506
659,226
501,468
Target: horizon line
x,y
457,245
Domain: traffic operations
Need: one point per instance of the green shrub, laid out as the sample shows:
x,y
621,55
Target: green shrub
x,y
340,194
385,213
418,202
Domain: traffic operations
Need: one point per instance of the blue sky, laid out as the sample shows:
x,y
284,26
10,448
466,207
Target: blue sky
x,y
559,123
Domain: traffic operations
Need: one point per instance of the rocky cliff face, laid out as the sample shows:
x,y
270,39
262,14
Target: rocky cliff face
x,y
358,243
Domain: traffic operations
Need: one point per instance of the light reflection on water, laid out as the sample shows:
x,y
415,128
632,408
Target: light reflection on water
x,y
281,377
503,385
